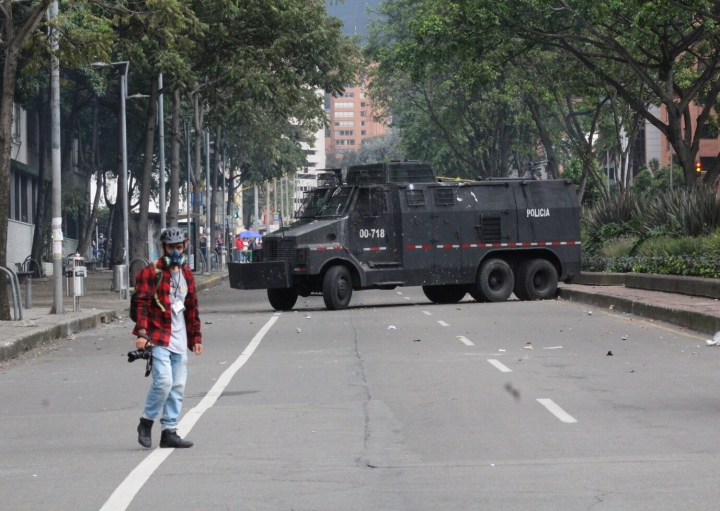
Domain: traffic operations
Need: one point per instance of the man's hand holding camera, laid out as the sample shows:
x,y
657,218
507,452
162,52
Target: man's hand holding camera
x,y
142,340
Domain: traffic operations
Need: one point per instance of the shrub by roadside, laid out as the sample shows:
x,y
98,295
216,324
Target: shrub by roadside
x,y
688,266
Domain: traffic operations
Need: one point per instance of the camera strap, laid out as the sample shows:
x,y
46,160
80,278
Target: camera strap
x,y
148,366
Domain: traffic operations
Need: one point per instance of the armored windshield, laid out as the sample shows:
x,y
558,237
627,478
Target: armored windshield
x,y
336,202
313,203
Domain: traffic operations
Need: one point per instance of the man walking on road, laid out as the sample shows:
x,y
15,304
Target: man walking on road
x,y
168,323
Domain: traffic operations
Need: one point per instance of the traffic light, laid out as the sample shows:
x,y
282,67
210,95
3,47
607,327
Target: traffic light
x,y
698,166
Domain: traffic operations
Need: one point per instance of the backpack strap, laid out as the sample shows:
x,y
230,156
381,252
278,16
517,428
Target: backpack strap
x,y
158,278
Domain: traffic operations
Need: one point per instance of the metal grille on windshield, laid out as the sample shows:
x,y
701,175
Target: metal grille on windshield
x,y
279,249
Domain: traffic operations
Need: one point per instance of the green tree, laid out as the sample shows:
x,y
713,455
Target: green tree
x,y
673,48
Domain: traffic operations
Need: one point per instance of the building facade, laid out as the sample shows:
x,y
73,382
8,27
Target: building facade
x,y
351,120
23,185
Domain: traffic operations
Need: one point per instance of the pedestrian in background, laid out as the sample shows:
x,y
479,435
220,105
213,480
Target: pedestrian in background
x,y
203,246
168,323
239,249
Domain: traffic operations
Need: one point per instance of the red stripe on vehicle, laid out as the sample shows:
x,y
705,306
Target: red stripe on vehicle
x,y
498,245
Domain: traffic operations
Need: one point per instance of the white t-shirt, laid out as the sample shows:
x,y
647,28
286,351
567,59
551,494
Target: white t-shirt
x,y
178,332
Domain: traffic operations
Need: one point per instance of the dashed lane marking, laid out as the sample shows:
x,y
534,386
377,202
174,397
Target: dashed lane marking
x,y
442,323
503,368
406,297
427,313
557,411
465,340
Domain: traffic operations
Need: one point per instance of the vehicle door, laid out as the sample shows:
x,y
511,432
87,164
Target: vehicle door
x,y
372,237
446,216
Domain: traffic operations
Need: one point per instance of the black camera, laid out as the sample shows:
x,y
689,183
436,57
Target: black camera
x,y
143,354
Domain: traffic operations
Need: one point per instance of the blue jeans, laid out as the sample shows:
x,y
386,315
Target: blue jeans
x,y
169,372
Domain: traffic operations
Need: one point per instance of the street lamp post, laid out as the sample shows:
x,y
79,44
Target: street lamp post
x,y
191,233
161,136
208,210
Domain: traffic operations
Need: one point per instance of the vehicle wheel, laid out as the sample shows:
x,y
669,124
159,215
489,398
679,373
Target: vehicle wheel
x,y
282,299
444,294
537,280
518,288
494,281
337,288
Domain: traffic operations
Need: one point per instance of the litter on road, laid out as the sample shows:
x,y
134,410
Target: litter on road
x,y
392,327
609,354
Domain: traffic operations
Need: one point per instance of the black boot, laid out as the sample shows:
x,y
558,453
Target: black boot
x,y
144,435
170,438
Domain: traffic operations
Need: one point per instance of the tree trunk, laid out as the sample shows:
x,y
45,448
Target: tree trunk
x,y
41,206
117,238
173,211
553,168
91,170
6,118
139,245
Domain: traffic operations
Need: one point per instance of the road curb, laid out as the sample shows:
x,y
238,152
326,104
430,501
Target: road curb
x,y
699,321
211,282
22,343
42,334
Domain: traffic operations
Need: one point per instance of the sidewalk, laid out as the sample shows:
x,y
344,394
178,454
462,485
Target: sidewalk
x,y
100,305
697,313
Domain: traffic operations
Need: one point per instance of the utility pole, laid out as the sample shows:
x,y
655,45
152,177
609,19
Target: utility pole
x,y
161,118
282,202
225,222
57,232
208,199
191,232
274,199
256,223
267,206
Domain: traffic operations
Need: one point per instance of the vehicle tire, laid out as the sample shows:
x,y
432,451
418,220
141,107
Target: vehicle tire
x,y
282,299
444,294
518,288
537,280
337,288
494,281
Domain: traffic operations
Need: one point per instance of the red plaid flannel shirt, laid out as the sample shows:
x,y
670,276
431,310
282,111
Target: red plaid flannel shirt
x,y
156,320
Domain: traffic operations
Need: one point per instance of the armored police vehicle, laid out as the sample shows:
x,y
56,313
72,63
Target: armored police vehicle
x,y
395,224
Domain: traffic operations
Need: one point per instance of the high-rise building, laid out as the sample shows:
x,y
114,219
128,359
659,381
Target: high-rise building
x,y
351,120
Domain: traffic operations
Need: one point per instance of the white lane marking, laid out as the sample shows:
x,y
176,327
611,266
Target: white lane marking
x,y
124,494
557,411
442,323
465,340
398,292
406,297
277,313
503,368
427,313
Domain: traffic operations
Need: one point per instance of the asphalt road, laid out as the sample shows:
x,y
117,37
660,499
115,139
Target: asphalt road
x,y
318,410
